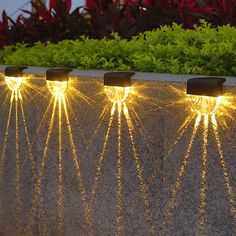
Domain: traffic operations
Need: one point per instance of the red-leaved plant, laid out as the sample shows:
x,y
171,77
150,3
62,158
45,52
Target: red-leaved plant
x,y
102,17
4,29
49,24
222,12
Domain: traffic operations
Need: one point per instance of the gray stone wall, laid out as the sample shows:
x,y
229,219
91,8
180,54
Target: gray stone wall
x,y
146,169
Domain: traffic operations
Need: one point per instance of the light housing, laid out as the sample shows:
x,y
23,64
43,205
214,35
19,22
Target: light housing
x,y
57,80
206,86
15,71
117,85
205,94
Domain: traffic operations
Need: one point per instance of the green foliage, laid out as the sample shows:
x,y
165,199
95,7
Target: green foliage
x,y
167,50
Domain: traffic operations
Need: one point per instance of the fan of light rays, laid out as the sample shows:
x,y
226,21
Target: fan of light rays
x,y
226,112
119,225
203,190
138,97
180,133
20,85
60,210
88,203
102,117
139,171
75,96
101,156
5,140
223,164
171,204
77,169
20,89
29,84
58,96
119,108
180,95
117,98
29,146
16,89
220,112
37,201
228,185
17,180
64,100
75,118
73,93
7,95
144,133
180,100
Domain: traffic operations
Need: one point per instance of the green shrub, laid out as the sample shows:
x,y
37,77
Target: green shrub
x,y
169,50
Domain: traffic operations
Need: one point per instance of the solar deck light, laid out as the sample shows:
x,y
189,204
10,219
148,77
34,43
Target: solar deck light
x,y
14,79
205,94
57,80
117,85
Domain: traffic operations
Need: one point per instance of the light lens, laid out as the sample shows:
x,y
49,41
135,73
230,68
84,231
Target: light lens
x,y
14,83
57,88
117,94
204,105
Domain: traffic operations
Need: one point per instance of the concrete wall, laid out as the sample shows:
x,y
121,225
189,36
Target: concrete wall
x,y
148,171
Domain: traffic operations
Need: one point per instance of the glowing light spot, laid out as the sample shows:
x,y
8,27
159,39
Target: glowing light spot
x,y
117,94
14,84
57,88
204,105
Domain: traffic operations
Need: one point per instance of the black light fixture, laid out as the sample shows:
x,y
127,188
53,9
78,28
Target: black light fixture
x,y
206,86
57,80
58,74
117,85
15,71
119,79
205,94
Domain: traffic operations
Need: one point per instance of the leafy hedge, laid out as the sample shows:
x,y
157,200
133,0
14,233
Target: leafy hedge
x,y
169,49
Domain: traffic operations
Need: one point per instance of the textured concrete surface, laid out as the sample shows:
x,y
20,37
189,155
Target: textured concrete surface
x,y
144,171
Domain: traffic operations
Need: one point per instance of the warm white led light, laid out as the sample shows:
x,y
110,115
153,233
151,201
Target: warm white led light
x,y
57,88
14,83
117,94
204,105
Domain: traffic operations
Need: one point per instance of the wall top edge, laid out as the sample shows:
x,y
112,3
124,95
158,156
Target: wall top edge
x,y
140,76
